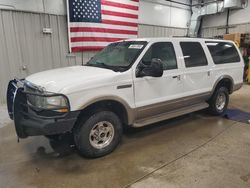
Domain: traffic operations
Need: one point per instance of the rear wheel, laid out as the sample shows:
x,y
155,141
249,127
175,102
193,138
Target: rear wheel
x,y
99,134
219,101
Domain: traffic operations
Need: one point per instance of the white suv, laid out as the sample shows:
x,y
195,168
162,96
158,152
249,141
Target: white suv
x,y
129,83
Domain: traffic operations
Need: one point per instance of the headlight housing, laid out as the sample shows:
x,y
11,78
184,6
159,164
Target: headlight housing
x,y
41,100
53,102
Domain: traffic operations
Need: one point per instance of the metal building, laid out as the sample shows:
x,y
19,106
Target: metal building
x,y
25,47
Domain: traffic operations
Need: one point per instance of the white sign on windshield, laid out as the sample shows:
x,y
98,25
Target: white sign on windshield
x,y
136,46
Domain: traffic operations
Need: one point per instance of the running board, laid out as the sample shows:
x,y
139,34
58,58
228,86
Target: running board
x,y
170,114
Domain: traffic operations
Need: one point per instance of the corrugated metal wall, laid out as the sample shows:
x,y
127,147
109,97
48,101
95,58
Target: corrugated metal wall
x,y
22,43
214,31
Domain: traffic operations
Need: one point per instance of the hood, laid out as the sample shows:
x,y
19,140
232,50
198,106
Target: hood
x,y
62,79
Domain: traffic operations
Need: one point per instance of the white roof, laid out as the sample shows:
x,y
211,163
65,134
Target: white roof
x,y
176,39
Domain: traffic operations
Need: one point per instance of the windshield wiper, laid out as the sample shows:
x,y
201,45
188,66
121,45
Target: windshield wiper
x,y
101,65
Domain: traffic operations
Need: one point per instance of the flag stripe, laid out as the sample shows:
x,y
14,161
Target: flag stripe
x,y
102,25
112,22
123,19
94,43
101,30
117,9
86,48
93,39
119,14
120,5
106,35
127,2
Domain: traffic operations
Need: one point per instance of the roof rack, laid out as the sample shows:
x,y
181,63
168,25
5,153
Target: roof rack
x,y
193,37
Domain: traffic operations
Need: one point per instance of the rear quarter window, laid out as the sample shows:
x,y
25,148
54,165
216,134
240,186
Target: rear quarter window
x,y
223,52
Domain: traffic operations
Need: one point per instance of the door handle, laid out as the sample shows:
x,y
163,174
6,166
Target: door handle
x,y
208,73
177,76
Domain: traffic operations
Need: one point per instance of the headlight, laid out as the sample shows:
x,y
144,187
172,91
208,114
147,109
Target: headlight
x,y
57,103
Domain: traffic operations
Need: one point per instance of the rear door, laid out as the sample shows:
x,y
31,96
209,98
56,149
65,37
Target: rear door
x,y
197,72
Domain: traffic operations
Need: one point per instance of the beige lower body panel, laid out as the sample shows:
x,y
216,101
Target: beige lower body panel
x,y
169,109
171,114
237,86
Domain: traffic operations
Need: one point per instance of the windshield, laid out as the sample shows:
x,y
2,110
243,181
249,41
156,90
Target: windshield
x,y
118,56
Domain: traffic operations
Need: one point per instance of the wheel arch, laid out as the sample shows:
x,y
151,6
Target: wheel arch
x,y
114,104
226,81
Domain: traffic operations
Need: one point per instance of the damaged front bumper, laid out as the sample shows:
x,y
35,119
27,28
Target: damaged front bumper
x,y
33,121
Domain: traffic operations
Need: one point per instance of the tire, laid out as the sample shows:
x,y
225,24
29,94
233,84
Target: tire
x,y
219,101
98,135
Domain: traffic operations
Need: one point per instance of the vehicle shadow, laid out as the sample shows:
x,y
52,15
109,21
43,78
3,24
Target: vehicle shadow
x,y
64,146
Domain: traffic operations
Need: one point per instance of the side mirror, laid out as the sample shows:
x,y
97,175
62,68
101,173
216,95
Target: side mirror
x,y
155,69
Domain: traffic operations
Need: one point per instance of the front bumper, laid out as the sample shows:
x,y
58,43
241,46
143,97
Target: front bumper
x,y
33,122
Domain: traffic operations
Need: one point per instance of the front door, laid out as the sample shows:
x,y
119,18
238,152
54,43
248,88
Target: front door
x,y
152,95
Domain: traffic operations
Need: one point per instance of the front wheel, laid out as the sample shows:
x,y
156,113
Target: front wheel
x,y
219,101
99,134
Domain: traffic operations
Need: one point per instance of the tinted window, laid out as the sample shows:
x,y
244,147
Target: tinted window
x,y
163,51
118,56
193,54
223,52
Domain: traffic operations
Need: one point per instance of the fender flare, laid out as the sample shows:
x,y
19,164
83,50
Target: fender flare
x,y
220,79
131,113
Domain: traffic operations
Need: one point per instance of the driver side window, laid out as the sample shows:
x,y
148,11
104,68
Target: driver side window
x,y
163,51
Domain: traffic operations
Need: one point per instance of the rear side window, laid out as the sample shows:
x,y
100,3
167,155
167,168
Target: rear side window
x,y
223,52
193,53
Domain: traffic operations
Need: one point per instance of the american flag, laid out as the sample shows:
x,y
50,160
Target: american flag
x,y
93,24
